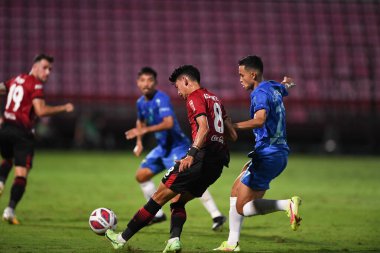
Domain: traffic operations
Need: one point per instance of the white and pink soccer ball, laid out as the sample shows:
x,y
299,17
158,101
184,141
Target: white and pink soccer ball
x,y
102,219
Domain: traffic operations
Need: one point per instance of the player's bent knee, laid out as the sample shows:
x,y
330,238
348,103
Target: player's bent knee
x,y
143,175
234,190
240,203
21,171
239,209
163,195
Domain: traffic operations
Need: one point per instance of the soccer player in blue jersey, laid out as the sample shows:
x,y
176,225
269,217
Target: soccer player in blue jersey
x,y
155,114
269,156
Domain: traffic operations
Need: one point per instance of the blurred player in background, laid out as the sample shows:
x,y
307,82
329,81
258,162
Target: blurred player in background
x,y
25,101
196,171
155,114
270,154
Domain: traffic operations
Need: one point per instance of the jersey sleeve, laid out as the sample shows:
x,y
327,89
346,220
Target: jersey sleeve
x,y
38,91
197,106
281,88
140,116
260,101
165,109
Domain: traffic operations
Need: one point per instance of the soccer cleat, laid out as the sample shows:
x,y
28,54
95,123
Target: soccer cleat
x,y
1,188
174,246
218,223
226,247
293,212
113,238
158,219
10,217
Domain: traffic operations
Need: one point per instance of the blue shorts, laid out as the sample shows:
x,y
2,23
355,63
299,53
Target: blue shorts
x,y
265,165
160,158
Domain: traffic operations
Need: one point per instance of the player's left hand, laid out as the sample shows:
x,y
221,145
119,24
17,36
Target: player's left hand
x,y
134,132
185,163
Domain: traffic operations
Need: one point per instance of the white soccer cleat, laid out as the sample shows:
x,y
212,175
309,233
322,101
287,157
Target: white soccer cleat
x,y
10,216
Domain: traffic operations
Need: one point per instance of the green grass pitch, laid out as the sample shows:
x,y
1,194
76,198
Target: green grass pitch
x,y
341,206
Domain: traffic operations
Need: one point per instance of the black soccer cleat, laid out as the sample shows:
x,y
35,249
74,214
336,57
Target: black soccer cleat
x,y
158,219
218,223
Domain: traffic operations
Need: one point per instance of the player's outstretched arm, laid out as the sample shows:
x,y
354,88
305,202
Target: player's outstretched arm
x,y
257,121
229,130
139,145
167,123
288,82
42,109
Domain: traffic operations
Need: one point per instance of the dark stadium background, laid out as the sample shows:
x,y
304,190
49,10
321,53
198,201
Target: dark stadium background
x,y
331,49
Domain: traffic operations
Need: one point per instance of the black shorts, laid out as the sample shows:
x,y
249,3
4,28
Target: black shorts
x,y
205,170
17,143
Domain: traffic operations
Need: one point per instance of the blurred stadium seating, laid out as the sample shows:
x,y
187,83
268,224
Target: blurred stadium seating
x,y
331,48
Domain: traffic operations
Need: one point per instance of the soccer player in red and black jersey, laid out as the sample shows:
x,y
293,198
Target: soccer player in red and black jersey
x,y
193,174
25,102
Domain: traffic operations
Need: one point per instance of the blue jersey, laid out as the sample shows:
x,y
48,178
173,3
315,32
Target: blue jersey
x,y
268,96
153,111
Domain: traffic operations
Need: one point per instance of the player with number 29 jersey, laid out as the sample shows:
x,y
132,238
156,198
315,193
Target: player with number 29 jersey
x,y
19,107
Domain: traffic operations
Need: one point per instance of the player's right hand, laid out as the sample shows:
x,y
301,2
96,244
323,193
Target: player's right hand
x,y
69,107
138,150
185,163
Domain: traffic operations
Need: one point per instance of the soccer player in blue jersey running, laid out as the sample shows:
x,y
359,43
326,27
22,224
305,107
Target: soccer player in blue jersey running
x,y
269,156
155,114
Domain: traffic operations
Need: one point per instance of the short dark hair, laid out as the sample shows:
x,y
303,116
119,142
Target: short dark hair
x,y
40,57
253,62
148,71
188,70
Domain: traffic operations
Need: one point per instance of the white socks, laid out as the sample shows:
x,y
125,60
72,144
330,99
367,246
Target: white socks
x,y
148,188
235,221
120,239
264,206
209,203
173,239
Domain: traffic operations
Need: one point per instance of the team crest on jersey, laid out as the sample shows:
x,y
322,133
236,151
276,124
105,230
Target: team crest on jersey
x,y
191,103
20,80
38,87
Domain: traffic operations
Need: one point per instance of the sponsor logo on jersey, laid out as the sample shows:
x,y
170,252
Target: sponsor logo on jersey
x,y
217,138
207,96
165,109
38,86
19,80
9,115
